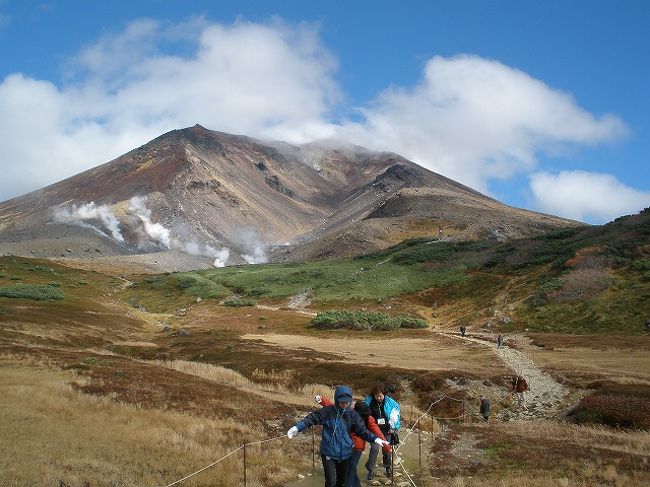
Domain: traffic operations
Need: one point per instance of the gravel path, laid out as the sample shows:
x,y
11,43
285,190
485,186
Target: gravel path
x,y
545,393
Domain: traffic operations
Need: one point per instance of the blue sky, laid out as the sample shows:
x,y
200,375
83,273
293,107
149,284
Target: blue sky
x,y
543,105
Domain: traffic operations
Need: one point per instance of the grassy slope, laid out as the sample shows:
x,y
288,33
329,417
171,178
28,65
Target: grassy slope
x,y
466,281
589,280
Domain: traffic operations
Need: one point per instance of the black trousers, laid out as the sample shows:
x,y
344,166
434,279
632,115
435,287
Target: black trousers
x,y
335,471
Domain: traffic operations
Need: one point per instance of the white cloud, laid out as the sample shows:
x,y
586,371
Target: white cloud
x,y
474,119
469,118
271,80
586,196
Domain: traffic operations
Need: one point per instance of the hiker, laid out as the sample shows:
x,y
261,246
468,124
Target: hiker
x,y
386,412
462,330
485,408
500,341
359,444
338,421
520,386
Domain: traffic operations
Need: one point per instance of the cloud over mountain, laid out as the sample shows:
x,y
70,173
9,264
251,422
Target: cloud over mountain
x,y
470,118
586,196
474,119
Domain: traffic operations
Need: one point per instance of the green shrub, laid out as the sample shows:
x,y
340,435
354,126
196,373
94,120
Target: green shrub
x,y
418,251
361,320
539,297
239,302
641,265
28,291
54,284
200,287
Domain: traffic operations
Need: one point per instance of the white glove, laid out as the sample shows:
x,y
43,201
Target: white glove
x,y
318,398
381,442
293,431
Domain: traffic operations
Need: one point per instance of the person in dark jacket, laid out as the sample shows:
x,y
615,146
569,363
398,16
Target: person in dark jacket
x,y
359,443
485,408
336,445
386,412
520,386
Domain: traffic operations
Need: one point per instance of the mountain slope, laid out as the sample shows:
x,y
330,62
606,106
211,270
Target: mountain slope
x,y
229,197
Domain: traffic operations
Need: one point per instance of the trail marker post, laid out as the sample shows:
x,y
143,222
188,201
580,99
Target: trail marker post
x,y
244,464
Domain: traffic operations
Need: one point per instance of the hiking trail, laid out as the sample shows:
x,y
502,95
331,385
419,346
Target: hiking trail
x,y
545,394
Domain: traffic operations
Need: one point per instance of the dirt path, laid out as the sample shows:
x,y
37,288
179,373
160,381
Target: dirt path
x,y
278,308
407,460
545,394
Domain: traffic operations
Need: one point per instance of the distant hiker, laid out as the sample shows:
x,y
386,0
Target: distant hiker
x,y
359,443
647,325
462,330
500,341
520,386
336,445
485,408
386,412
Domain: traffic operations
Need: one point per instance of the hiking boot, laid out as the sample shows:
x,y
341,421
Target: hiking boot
x,y
389,471
370,476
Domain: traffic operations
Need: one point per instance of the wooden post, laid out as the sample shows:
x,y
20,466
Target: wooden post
x,y
244,464
420,447
313,451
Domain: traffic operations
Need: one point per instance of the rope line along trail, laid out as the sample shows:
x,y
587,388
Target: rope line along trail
x,y
205,468
416,423
275,438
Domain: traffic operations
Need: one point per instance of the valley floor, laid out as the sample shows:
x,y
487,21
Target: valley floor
x,y
98,391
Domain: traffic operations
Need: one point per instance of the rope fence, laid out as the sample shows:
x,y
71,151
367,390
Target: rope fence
x,y
415,423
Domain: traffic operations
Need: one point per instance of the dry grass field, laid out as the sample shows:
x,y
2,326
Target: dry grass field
x,y
437,352
97,390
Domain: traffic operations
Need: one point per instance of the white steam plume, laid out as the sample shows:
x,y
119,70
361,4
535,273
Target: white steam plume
x,y
220,256
156,231
80,215
253,246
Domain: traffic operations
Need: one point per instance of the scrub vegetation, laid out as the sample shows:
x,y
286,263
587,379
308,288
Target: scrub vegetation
x,y
139,380
360,320
579,280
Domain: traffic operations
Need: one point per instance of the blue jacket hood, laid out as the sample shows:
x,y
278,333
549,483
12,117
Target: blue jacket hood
x,y
342,393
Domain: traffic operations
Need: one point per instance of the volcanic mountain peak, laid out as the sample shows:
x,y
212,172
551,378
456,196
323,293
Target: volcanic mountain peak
x,y
201,191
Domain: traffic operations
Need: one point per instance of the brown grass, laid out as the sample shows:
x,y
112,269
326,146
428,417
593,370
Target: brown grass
x,y
436,353
90,412
551,341
618,365
539,453
271,385
52,434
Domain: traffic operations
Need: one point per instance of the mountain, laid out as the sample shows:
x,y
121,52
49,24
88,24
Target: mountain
x,y
234,199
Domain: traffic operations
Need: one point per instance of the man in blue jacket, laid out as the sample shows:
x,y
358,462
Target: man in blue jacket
x,y
386,412
335,444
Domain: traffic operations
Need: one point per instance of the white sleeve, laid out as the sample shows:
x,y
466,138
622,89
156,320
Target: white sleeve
x,y
394,417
